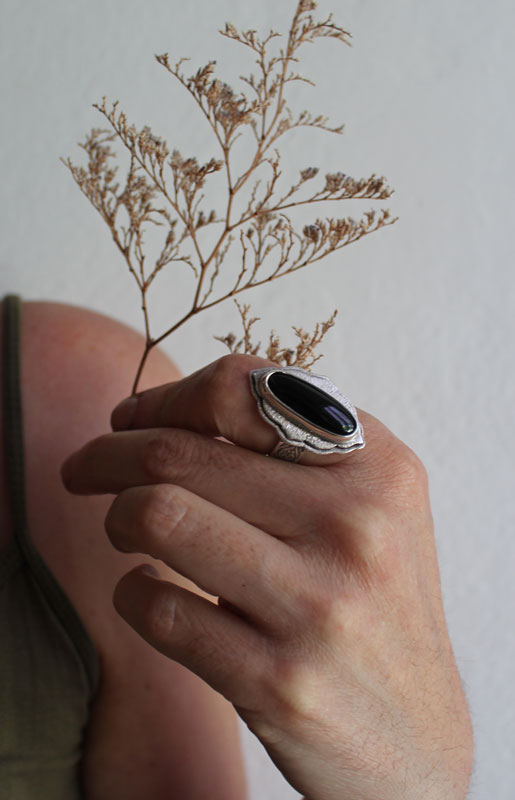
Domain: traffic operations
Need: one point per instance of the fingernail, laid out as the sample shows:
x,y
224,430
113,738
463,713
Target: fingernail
x,y
123,414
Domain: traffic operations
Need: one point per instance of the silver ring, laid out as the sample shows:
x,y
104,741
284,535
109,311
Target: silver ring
x,y
308,412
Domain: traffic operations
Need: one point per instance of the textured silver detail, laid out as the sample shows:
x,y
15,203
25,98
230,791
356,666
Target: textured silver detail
x,y
286,452
294,430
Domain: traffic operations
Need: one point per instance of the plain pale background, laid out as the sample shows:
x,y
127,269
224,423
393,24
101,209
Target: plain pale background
x,y
426,329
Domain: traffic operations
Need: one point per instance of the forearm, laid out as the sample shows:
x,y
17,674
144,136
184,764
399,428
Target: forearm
x,y
162,734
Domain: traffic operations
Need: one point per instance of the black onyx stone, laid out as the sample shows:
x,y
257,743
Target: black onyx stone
x,y
312,404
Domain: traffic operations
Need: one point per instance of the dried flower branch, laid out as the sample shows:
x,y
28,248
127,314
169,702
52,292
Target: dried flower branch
x,y
165,189
303,355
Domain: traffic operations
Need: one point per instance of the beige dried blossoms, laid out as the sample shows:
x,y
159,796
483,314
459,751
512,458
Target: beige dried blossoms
x,y
165,189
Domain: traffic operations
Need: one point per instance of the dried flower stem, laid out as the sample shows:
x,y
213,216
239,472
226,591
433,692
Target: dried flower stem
x,y
270,246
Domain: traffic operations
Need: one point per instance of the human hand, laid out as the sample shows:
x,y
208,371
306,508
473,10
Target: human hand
x,y
329,636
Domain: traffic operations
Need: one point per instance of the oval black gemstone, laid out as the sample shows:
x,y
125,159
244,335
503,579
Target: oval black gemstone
x,y
312,404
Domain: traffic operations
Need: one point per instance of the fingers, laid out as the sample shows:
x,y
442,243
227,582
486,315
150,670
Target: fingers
x,y
237,480
221,554
212,642
234,478
215,401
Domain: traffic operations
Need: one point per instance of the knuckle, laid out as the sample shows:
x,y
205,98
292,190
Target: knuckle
x,y
330,516
406,466
142,518
397,478
159,618
408,476
293,691
318,598
219,388
160,514
392,464
227,374
411,466
230,367
156,457
323,611
161,504
224,373
262,724
167,455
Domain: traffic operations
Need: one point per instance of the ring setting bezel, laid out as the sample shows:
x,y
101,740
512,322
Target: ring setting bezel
x,y
296,429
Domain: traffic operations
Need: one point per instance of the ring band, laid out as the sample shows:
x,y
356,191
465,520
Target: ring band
x,y
308,412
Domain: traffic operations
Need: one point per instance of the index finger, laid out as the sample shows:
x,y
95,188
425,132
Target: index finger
x,y
214,401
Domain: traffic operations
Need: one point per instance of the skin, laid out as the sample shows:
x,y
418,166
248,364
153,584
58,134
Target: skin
x,y
329,637
152,720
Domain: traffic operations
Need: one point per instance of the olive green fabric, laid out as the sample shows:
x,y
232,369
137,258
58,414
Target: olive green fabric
x,y
48,664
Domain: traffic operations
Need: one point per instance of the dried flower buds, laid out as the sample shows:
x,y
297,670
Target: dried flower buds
x,y
255,240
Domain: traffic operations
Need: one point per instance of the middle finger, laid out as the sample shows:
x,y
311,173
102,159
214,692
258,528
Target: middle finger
x,y
276,497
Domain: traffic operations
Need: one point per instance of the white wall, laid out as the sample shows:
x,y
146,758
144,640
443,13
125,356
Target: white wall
x,y
426,328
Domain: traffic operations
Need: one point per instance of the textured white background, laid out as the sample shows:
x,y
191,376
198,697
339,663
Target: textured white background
x,y
425,337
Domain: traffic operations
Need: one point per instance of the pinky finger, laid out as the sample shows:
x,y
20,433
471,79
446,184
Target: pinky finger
x,y
208,639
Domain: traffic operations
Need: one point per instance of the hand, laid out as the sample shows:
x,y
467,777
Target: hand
x,y
329,635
